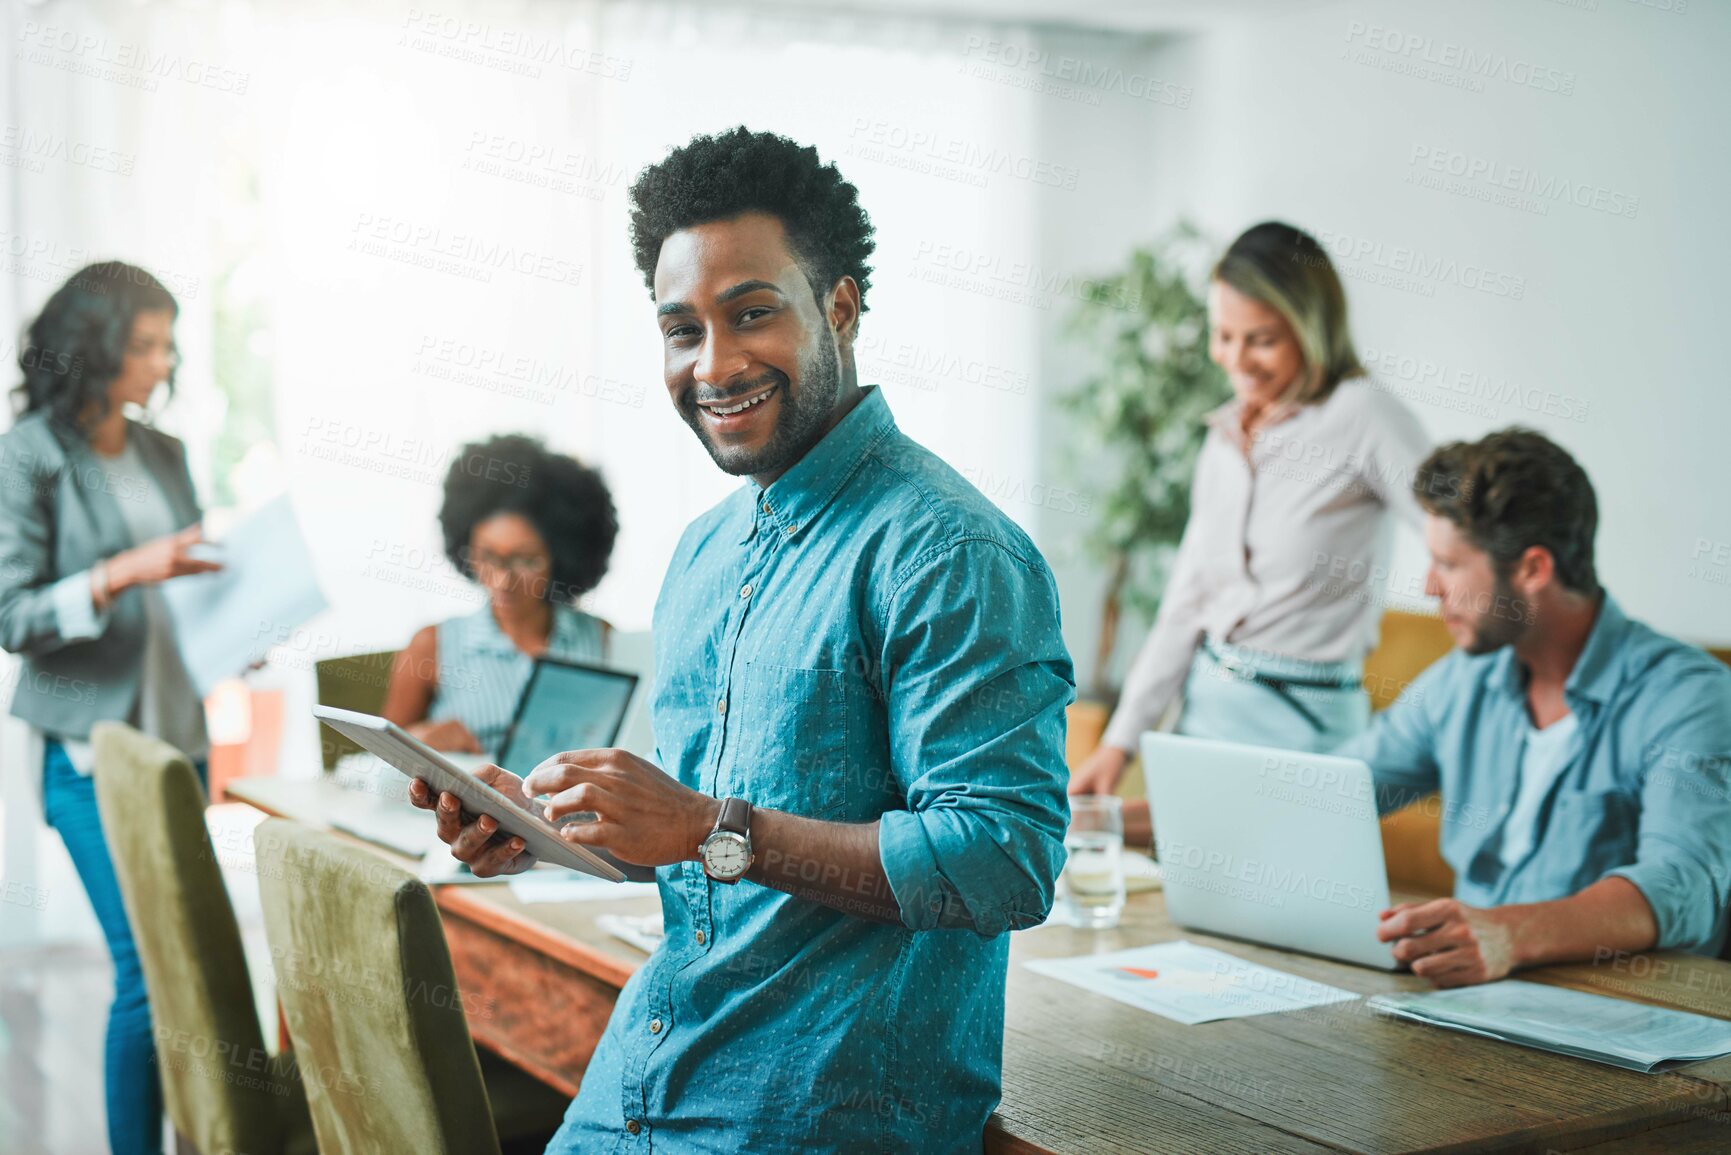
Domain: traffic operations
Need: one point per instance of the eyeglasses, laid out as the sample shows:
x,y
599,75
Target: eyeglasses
x,y
516,564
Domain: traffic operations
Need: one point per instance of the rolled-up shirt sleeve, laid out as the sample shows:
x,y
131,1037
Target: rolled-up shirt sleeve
x,y
1683,851
1400,746
976,678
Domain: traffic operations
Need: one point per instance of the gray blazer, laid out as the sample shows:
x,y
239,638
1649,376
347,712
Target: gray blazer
x,y
59,515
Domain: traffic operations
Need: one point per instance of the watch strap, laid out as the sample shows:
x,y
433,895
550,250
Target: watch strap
x,y
735,816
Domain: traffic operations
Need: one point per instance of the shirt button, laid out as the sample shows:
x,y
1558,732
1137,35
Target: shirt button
x,y
655,1026
721,706
699,938
745,590
633,1126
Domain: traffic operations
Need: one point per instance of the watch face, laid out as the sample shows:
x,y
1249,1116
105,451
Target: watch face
x,y
726,854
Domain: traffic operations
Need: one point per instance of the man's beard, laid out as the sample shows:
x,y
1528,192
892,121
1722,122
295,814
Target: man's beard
x,y
799,423
1504,625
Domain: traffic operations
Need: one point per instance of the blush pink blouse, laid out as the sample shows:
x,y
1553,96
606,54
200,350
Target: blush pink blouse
x,y
1287,545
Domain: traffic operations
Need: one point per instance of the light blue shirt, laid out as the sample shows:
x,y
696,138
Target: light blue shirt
x,y
866,639
482,672
1643,790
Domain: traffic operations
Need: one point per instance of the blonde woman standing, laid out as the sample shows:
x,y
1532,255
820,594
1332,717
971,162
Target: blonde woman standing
x,y
1272,606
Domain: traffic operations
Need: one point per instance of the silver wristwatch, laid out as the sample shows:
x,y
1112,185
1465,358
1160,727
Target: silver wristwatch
x,y
726,853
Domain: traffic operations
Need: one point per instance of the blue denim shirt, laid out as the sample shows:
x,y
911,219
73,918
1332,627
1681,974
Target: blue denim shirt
x,y
1645,790
866,639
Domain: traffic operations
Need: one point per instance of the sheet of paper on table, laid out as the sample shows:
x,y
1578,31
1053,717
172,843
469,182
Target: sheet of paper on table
x,y
1189,983
225,621
438,868
643,931
1635,1036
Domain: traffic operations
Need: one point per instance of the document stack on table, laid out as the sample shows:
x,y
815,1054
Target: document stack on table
x,y
1635,1036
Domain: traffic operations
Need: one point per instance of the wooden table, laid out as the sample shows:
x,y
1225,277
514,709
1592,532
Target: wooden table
x,y
1083,1073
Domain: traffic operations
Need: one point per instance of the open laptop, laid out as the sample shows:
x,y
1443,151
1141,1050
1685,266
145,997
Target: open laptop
x,y
563,706
1274,846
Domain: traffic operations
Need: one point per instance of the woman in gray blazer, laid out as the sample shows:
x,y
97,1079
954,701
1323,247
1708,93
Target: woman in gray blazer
x,y
96,510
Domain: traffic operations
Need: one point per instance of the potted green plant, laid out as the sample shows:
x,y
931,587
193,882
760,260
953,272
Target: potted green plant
x,y
1137,422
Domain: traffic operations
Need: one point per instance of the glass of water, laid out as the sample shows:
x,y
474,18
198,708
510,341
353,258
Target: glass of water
x,y
1091,889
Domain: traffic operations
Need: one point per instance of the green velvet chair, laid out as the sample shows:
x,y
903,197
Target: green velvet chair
x,y
373,1006
224,1092
354,682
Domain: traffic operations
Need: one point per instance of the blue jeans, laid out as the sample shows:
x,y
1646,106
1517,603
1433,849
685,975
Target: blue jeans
x,y
131,1084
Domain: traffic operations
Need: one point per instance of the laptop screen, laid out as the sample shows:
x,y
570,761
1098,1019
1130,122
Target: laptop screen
x,y
565,706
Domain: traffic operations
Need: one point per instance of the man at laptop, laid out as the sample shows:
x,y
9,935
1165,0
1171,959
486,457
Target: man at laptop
x,y
1584,759
859,710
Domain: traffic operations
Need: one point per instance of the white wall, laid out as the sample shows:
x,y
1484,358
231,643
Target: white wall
x,y
1618,317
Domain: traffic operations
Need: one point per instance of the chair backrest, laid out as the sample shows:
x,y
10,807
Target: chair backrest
x,y
223,1090
1406,646
355,682
371,999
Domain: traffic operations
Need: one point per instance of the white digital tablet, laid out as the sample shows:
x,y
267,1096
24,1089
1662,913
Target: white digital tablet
x,y
416,759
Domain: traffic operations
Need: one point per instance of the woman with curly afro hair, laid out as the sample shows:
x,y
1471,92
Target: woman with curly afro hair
x,y
535,530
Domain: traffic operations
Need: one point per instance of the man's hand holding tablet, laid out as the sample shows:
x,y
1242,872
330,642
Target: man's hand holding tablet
x,y
642,816
477,841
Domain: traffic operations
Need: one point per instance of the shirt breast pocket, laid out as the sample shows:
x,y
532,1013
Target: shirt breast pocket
x,y
791,731
1591,832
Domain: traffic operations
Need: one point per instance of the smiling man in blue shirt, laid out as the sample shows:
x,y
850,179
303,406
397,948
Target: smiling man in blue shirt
x,y
862,648
1584,759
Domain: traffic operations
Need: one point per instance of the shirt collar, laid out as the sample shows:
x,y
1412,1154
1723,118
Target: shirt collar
x,y
1225,419
561,635
792,500
489,638
1597,671
1599,668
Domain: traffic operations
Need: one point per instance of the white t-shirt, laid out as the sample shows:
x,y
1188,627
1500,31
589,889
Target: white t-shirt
x,y
1542,756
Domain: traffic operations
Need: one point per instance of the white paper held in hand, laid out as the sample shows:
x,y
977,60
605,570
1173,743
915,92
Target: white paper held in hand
x,y
227,620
